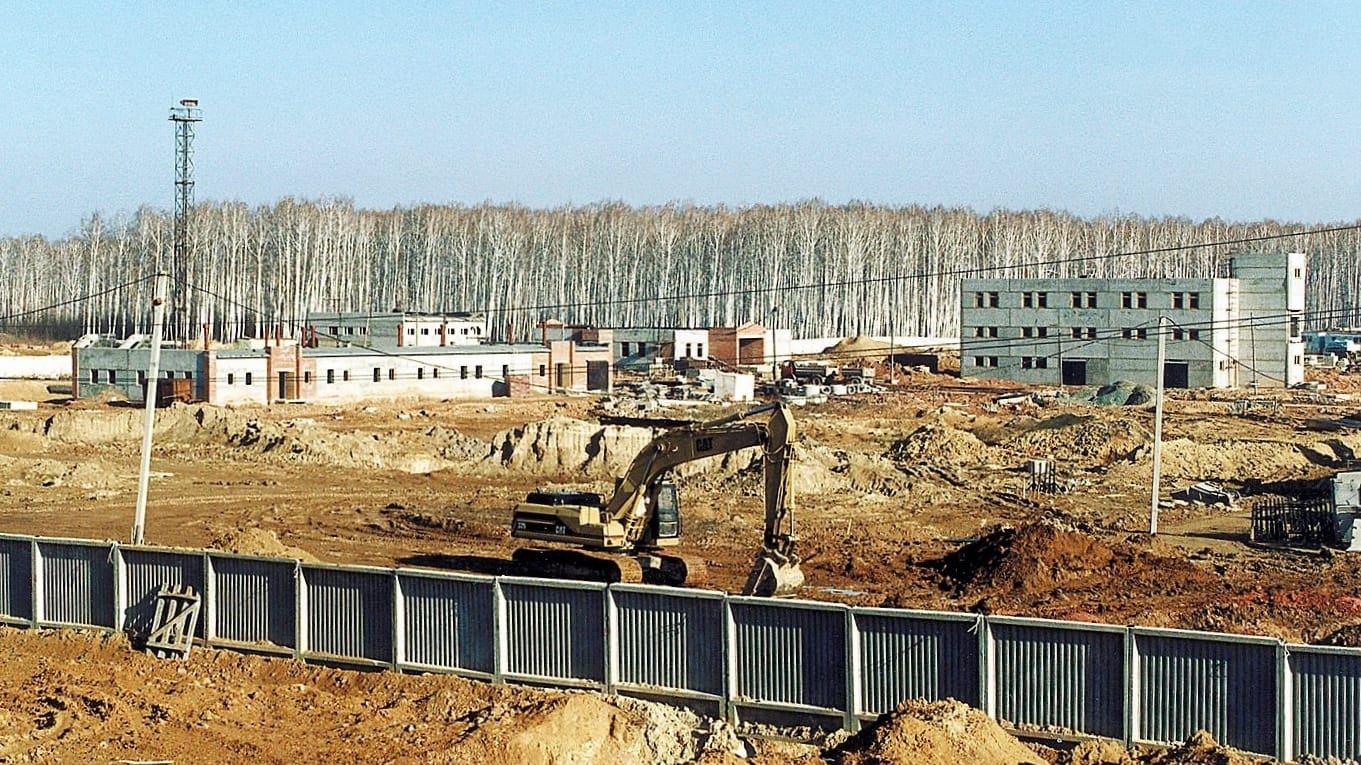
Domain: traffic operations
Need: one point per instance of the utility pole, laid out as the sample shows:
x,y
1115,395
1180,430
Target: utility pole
x,y
1158,425
774,355
184,116
152,373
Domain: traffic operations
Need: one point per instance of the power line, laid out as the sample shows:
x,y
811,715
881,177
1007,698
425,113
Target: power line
x,y
73,301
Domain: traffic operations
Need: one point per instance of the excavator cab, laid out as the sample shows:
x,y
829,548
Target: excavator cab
x,y
666,518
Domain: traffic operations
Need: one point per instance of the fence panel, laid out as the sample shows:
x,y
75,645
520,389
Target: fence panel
x,y
787,653
448,621
16,579
668,639
349,613
144,571
1223,684
554,631
77,583
1056,674
914,655
1326,701
254,600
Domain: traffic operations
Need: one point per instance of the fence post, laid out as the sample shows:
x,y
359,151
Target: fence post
x,y
853,679
611,646
1134,689
120,587
398,623
1285,705
1128,679
300,618
987,667
498,631
35,572
727,708
209,614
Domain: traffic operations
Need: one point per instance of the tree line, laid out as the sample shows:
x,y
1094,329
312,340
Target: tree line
x,y
815,268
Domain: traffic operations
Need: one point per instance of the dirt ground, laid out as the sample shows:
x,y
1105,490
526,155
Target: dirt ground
x,y
915,498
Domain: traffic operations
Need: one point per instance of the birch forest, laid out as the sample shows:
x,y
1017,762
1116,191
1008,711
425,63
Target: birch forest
x,y
818,269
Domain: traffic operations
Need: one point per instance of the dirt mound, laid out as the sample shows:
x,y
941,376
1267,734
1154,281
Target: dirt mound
x,y
575,729
1025,563
1076,438
1231,460
257,541
859,346
921,732
562,445
1200,749
1030,558
937,443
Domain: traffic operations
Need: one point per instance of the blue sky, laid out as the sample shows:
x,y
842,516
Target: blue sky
x,y
1243,110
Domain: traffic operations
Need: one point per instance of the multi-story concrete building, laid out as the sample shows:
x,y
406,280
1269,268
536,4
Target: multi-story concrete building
x,y
398,329
1223,332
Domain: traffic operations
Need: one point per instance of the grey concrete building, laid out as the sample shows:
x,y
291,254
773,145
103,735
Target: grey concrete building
x,y
1224,332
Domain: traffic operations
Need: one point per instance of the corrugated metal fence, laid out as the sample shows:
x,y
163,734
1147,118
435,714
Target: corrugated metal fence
x,y
740,658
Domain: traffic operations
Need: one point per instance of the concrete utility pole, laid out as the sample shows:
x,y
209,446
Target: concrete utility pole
x,y
774,355
1158,425
153,371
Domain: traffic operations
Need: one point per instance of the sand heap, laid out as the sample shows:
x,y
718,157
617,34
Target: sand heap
x,y
1047,556
936,443
921,732
1200,749
257,541
1076,438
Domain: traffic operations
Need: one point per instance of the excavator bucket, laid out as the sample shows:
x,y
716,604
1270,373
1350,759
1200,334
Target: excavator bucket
x,y
774,576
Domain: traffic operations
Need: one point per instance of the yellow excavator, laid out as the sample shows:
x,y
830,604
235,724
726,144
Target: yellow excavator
x,y
623,537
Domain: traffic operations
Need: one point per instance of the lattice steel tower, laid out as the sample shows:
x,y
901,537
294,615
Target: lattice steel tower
x,y
184,116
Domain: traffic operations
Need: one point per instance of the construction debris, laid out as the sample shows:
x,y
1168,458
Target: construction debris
x,y
172,629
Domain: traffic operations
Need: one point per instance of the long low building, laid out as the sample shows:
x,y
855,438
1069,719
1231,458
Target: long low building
x,y
347,374
1245,329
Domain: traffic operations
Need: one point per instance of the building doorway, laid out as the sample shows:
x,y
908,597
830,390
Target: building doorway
x,y
1075,372
597,375
1176,374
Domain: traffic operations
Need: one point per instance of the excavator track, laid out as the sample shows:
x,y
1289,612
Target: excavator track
x,y
577,565
680,570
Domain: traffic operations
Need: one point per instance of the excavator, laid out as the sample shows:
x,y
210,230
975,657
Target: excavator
x,y
623,538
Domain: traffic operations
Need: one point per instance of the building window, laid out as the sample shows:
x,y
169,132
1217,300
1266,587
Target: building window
x,y
699,350
425,330
1025,362
624,351
231,379
1299,360
1091,300
141,377
689,348
1193,334
1075,333
1041,299
985,361
1177,334
363,330
377,374
1127,333
992,331
113,375
992,300
978,300
248,378
330,377
420,373
1027,300
1041,362
477,371
94,375
464,330
1299,273
392,374
1177,299
1027,331
1034,299
435,373
462,373
1193,300
1141,333
307,377
349,330
505,371
1034,362
543,370
1133,299
335,330
345,375
410,331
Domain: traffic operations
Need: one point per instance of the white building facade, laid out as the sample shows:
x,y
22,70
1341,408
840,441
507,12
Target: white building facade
x,y
399,329
1222,332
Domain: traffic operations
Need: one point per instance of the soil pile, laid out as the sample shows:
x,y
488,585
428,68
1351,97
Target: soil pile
x,y
257,541
1049,569
1200,749
921,732
562,446
1077,438
937,443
